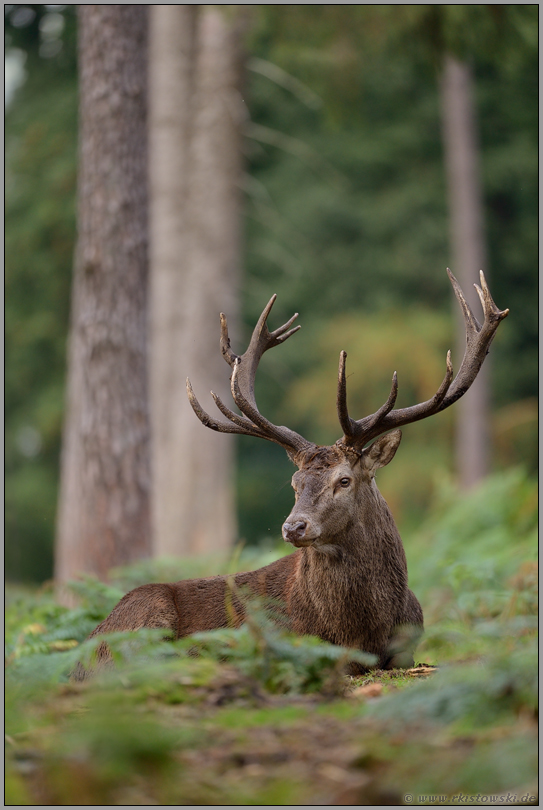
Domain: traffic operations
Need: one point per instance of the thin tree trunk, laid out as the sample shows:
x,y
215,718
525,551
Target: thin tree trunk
x,y
195,238
103,517
469,256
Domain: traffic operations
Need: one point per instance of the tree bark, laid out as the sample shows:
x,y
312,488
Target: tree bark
x,y
103,517
472,448
195,165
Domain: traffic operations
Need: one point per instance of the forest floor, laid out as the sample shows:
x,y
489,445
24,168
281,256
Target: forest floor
x,y
205,733
260,717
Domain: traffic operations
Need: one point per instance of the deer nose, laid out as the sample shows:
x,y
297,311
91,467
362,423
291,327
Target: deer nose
x,y
294,531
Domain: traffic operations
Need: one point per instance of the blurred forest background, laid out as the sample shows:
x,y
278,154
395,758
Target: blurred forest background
x,y
345,218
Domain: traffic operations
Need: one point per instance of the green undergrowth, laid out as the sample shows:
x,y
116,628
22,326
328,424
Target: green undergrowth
x,y
255,715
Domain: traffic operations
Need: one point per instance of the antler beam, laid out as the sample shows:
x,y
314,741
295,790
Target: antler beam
x,y
242,385
478,339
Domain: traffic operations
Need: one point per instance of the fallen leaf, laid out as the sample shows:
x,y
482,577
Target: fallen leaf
x,y
371,690
421,671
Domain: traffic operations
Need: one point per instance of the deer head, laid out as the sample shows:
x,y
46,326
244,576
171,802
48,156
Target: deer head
x,y
334,489
335,485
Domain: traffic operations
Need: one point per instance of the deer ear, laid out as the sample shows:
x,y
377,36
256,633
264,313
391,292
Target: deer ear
x,y
382,451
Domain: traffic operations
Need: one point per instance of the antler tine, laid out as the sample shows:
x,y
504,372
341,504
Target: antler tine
x,y
281,435
351,428
389,404
348,424
251,423
261,341
478,339
244,373
280,334
472,324
241,421
487,303
226,350
220,427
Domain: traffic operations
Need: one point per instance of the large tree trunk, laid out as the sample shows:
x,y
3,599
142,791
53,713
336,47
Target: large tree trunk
x,y
195,148
469,256
172,49
103,518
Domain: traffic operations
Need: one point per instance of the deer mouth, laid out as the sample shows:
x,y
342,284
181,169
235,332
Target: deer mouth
x,y
300,543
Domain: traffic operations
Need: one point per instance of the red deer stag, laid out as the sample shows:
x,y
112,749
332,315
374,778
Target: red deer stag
x,y
347,580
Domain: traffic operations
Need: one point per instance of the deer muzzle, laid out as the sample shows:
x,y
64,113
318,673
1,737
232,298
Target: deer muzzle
x,y
299,533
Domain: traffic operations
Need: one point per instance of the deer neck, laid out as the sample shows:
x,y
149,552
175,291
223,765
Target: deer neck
x,y
374,532
358,575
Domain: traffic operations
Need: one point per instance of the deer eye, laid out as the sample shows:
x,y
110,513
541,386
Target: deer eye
x,y
344,482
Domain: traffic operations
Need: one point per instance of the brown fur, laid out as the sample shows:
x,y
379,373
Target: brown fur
x,y
347,582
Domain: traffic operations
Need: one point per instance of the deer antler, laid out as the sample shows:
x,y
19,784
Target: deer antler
x,y
478,339
242,384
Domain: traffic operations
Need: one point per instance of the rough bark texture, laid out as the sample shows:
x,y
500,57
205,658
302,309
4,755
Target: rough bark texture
x,y
103,518
195,135
469,256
